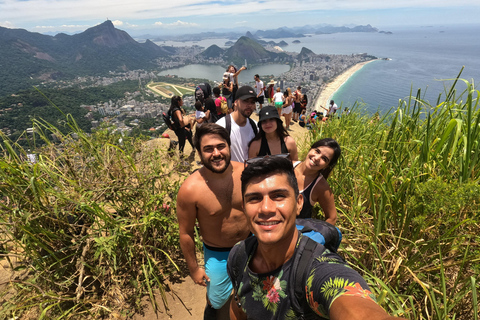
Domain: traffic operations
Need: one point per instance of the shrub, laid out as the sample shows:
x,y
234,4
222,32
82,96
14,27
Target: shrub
x,y
90,221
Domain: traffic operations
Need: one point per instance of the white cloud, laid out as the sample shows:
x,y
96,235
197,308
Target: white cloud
x,y
183,24
177,23
117,23
194,12
7,24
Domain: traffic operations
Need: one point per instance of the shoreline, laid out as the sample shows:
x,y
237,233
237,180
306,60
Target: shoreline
x,y
323,99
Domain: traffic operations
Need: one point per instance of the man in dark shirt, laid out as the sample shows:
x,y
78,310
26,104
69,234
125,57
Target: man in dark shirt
x,y
330,288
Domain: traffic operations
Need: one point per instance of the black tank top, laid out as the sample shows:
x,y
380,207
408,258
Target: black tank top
x,y
265,150
306,212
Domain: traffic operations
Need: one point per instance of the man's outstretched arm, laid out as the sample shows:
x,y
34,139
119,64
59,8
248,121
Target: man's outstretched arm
x,y
357,308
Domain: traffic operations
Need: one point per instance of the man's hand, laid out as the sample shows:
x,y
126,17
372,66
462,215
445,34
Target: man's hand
x,y
200,277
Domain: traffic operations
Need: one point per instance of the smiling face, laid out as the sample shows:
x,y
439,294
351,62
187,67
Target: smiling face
x,y
214,153
269,125
319,158
271,207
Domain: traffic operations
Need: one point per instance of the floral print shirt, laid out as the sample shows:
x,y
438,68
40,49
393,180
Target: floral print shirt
x,y
265,296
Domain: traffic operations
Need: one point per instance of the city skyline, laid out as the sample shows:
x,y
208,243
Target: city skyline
x,y
190,16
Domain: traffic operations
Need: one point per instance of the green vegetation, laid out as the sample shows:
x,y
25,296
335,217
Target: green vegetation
x,y
89,228
408,192
90,224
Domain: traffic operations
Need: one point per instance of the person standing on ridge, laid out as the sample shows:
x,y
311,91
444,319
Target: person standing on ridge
x,y
333,109
241,128
211,195
297,106
260,88
181,122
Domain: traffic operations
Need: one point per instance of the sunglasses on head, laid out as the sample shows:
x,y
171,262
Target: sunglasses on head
x,y
253,160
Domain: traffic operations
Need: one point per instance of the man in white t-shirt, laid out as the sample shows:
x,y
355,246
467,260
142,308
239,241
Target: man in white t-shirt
x,y
260,88
242,128
333,108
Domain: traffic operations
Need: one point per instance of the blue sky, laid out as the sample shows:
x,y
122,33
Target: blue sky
x,y
188,16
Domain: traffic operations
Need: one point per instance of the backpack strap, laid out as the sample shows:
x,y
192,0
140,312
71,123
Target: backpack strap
x,y
307,251
228,124
254,126
240,259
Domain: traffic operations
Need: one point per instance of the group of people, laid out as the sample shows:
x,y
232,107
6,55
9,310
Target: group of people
x,y
252,186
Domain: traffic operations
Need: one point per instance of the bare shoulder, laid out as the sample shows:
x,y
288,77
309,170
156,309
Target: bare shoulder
x,y
322,186
289,141
254,148
190,186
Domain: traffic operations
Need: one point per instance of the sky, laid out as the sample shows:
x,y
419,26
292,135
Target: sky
x,y
163,17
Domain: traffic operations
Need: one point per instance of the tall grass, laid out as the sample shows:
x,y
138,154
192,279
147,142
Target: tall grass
x,y
408,192
90,222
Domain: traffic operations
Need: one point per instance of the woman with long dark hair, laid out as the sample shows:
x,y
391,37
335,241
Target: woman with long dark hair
x,y
181,123
312,174
272,138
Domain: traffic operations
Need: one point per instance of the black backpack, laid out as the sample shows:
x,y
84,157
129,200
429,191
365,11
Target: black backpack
x,y
167,121
305,253
320,231
202,92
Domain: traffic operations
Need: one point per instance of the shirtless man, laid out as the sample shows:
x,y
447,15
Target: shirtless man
x,y
297,99
212,195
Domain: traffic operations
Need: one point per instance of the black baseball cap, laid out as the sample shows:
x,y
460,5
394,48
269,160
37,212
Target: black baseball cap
x,y
245,92
268,112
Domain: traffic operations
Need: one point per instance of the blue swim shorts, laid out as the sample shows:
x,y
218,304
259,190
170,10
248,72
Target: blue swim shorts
x,y
220,287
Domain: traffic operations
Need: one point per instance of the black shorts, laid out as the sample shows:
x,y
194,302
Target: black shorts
x,y
298,107
260,99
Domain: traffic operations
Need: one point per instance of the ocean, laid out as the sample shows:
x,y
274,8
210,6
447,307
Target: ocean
x,y
419,58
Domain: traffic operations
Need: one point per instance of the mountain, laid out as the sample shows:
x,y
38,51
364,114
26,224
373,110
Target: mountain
x,y
305,53
27,57
277,33
213,51
251,50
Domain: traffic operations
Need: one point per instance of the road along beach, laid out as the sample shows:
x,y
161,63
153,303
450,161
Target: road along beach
x,y
323,100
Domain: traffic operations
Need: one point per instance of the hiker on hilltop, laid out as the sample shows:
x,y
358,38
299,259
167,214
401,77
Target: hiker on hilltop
x,y
278,100
287,108
297,102
259,88
281,274
212,196
234,78
272,138
201,116
312,174
241,128
333,109
181,122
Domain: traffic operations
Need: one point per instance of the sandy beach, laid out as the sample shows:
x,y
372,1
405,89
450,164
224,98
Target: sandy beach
x,y
324,97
